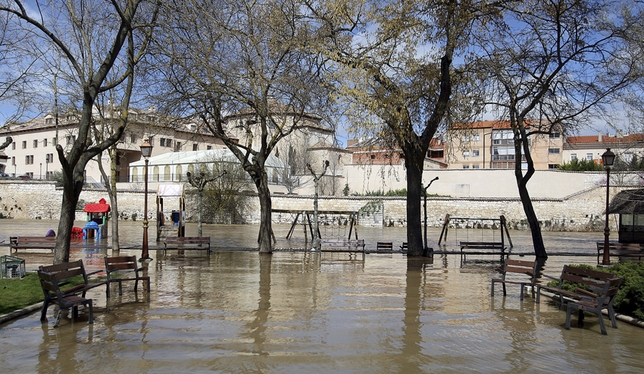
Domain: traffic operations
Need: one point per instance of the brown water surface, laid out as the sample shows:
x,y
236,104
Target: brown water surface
x,y
294,312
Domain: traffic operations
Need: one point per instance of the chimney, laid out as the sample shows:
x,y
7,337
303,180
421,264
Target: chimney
x,y
599,138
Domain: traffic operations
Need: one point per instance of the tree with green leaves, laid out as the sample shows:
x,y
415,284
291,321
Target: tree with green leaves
x,y
395,61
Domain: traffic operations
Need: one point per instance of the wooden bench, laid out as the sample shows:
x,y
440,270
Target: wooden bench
x,y
404,248
621,250
514,268
50,283
57,275
482,248
384,247
116,267
602,298
588,278
17,243
181,243
353,247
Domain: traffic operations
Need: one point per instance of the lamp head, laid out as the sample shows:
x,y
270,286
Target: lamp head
x,y
146,149
608,158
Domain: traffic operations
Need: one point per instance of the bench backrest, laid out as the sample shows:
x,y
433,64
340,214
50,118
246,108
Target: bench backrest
x,y
32,239
187,240
66,270
620,246
528,268
120,263
385,245
589,277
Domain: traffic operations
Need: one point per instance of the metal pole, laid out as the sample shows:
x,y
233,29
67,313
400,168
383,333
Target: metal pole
x,y
606,259
145,256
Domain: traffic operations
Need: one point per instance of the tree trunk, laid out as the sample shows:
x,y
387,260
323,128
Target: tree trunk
x,y
414,194
71,193
112,193
265,227
533,221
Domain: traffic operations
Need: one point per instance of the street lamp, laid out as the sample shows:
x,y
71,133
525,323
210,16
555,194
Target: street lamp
x,y
146,151
608,158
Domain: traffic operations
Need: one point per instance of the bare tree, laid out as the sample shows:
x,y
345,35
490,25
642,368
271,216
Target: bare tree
x,y
548,66
241,70
94,38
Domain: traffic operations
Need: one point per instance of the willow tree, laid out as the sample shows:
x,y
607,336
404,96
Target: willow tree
x,y
236,68
97,39
396,61
548,66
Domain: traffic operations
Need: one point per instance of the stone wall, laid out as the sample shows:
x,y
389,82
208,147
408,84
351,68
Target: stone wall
x,y
583,211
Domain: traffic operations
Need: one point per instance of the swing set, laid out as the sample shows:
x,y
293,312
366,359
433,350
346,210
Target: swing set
x,y
480,233
337,224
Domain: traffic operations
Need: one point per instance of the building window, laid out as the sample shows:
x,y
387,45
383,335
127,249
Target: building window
x,y
132,138
476,137
13,145
49,158
475,167
553,166
466,153
165,142
35,143
573,156
466,166
177,146
54,141
70,139
44,142
162,142
554,135
24,144
29,159
13,161
49,121
553,151
476,153
589,156
195,147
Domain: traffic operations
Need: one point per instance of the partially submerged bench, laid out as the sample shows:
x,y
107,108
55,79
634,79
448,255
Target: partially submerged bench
x,y
595,303
121,269
384,247
181,243
482,248
352,247
22,242
520,272
626,250
588,278
50,283
53,278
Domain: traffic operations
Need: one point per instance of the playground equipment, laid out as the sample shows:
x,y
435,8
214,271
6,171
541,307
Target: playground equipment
x,y
97,218
480,230
177,225
333,223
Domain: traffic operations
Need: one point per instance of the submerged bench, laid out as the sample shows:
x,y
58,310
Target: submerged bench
x,y
621,250
22,242
596,302
53,278
384,247
119,266
201,243
482,248
521,272
353,247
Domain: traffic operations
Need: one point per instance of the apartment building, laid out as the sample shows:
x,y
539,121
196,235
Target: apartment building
x,y
591,147
490,145
33,151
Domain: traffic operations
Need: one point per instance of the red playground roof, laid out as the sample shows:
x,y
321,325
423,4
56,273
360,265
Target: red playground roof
x,y
100,207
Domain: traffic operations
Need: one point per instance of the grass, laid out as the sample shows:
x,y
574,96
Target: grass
x,y
16,293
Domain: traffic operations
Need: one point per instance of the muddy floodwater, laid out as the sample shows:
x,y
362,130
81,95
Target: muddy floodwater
x,y
301,312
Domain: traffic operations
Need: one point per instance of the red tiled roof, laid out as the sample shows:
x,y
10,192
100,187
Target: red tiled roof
x,y
100,207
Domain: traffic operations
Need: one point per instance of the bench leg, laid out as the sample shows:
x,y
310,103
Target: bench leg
x,y
58,316
43,310
90,305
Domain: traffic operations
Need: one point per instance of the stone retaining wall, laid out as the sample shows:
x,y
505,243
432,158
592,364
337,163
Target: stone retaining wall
x,y
583,211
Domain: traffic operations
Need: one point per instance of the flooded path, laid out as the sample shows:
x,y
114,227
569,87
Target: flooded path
x,y
294,312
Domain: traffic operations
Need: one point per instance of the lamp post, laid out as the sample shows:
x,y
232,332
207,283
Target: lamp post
x,y
608,158
146,151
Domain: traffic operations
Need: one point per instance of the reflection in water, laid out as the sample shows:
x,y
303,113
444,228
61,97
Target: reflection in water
x,y
294,312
